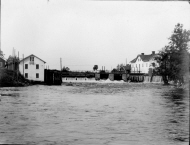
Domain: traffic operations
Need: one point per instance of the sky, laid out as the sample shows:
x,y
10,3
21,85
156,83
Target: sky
x,y
85,33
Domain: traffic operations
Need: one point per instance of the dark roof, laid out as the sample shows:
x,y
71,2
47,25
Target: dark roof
x,y
2,59
32,55
144,58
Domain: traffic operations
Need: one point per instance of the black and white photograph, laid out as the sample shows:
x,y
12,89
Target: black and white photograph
x,y
94,72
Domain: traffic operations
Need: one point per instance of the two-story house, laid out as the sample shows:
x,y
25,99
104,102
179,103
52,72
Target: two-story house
x,y
32,68
142,63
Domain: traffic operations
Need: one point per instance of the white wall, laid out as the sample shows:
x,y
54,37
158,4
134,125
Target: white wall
x,y
32,69
140,65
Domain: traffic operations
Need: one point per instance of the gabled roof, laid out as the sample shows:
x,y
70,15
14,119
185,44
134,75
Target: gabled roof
x,y
34,56
144,58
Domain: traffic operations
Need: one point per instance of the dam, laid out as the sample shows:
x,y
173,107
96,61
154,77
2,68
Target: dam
x,y
115,77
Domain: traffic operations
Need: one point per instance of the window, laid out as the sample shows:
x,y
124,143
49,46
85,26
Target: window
x,y
1,64
26,66
37,75
37,66
146,64
32,58
26,75
142,65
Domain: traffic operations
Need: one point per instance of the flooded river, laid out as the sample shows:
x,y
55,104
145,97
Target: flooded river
x,y
95,113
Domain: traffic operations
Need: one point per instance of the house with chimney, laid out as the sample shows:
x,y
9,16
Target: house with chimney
x,y
142,63
32,68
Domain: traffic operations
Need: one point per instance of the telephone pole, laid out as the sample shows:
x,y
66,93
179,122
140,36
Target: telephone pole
x,y
60,63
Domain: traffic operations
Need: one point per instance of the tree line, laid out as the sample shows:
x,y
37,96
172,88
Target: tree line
x,y
173,59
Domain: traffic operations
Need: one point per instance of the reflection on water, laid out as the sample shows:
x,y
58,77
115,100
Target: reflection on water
x,y
177,105
95,113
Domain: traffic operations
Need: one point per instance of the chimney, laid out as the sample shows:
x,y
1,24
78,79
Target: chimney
x,y
153,52
142,53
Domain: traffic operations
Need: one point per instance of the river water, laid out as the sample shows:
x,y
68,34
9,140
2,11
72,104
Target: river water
x,y
82,113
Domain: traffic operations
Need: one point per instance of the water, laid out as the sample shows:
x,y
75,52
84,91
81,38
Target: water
x,y
95,113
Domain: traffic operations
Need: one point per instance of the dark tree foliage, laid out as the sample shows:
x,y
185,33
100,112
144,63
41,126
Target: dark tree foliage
x,y
114,70
65,69
95,67
173,59
1,54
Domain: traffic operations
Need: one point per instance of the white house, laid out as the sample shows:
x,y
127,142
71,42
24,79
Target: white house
x,y
142,63
32,68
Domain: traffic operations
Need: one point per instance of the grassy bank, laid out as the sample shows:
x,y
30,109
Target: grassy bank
x,y
9,78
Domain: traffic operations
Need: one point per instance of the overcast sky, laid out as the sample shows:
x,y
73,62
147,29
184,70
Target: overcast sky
x,y
85,33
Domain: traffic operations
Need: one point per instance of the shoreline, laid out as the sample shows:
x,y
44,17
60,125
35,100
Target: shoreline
x,y
10,78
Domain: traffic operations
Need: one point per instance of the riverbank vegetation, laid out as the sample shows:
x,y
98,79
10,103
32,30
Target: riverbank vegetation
x,y
10,78
173,59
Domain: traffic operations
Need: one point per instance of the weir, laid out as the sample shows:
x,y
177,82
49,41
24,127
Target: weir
x,y
80,79
157,79
153,79
117,76
147,79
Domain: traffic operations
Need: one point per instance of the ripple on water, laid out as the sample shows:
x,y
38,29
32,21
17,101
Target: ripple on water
x,y
95,113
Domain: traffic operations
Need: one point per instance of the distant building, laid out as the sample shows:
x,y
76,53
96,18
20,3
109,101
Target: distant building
x,y
2,62
32,68
12,63
142,63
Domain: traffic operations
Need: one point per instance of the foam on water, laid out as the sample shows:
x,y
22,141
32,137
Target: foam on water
x,y
90,80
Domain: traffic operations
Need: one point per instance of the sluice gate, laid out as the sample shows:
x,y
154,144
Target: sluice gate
x,y
129,77
52,77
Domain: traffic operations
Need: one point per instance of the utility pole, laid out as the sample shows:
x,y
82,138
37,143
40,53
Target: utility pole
x,y
13,59
61,63
17,65
23,64
61,70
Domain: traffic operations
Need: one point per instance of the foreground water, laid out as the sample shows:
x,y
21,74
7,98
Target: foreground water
x,y
95,113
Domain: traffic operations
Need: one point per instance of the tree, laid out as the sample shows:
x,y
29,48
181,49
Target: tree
x,y
95,67
114,70
173,59
65,69
120,67
1,54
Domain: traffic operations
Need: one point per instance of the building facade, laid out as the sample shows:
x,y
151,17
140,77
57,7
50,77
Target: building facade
x,y
32,68
142,63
